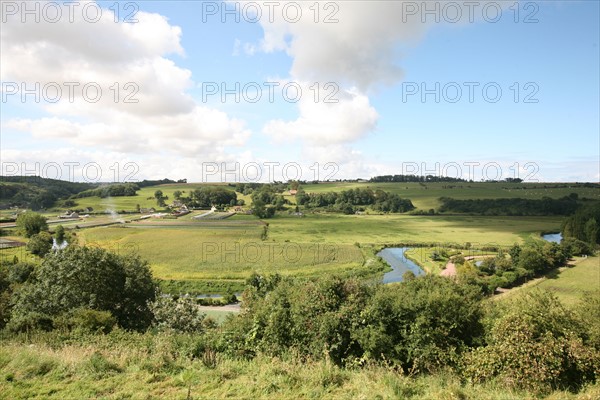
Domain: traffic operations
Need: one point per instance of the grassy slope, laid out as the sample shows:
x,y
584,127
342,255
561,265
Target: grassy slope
x,y
568,283
426,197
117,371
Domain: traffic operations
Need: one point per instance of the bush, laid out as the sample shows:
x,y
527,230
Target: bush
x,y
40,244
86,320
20,272
182,314
31,223
83,277
422,324
536,345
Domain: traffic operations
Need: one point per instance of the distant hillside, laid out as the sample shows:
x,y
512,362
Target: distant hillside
x,y
35,192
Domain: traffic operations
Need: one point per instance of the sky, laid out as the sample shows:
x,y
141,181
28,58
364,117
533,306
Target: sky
x,y
313,90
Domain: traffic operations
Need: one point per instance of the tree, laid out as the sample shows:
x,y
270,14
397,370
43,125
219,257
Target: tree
x,y
177,194
160,199
537,344
91,278
422,324
182,314
40,244
59,234
31,223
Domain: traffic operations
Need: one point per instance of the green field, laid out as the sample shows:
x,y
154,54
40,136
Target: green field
x,y
569,284
230,250
423,195
216,256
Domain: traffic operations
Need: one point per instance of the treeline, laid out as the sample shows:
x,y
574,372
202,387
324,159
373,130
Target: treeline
x,y
114,190
36,192
206,197
348,200
249,188
584,224
520,263
415,178
164,181
517,206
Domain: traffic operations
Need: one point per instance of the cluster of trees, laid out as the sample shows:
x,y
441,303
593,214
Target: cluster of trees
x,y
517,206
114,190
267,199
35,192
209,196
347,200
522,263
76,281
415,178
423,325
584,224
249,188
156,182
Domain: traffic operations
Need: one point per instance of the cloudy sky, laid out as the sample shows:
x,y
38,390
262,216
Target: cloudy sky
x,y
211,91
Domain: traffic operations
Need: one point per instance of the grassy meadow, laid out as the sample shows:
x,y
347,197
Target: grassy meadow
x,y
146,366
567,283
217,256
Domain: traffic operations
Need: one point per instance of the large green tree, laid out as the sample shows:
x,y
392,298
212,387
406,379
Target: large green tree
x,y
92,278
31,223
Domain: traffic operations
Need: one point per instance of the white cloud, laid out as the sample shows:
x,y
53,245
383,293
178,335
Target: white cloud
x,y
143,106
325,123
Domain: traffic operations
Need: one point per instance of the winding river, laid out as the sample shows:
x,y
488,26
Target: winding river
x,y
396,259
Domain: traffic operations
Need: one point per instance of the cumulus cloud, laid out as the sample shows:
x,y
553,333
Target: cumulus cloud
x,y
357,45
141,105
346,119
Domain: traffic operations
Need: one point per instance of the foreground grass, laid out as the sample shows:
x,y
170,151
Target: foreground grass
x,y
109,369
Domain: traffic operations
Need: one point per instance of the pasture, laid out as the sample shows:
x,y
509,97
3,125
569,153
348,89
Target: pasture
x,y
569,284
220,255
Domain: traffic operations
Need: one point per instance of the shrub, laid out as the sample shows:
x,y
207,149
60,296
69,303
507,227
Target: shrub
x,y
82,277
40,244
423,324
536,345
86,320
182,314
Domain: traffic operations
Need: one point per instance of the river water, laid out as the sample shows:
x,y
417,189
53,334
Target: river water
x,y
552,237
396,259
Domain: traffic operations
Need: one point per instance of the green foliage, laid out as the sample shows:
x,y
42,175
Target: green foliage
x,y
35,192
20,272
584,224
114,190
59,234
345,200
588,312
576,247
90,278
87,320
422,325
544,206
40,244
31,223
536,345
181,314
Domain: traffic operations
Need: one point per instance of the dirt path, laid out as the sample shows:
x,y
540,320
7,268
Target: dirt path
x,y
229,307
450,269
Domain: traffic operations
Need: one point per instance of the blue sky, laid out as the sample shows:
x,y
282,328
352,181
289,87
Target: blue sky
x,y
374,55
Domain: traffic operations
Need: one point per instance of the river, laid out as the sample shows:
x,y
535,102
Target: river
x,y
552,237
396,259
